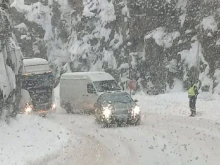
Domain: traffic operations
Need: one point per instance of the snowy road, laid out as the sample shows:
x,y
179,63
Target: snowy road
x,y
163,138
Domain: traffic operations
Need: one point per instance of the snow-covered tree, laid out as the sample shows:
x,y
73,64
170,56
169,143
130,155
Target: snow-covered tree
x,y
158,41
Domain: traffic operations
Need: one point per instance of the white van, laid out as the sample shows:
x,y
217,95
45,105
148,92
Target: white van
x,y
80,90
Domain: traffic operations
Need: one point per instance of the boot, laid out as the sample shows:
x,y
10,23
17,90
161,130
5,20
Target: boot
x,y
193,112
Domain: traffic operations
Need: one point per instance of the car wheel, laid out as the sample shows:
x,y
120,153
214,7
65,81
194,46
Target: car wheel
x,y
97,120
138,122
43,115
104,125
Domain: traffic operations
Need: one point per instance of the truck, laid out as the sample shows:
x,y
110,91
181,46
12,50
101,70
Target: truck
x,y
10,69
37,87
80,90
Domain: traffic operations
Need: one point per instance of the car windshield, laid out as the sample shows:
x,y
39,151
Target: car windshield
x,y
37,80
108,85
116,98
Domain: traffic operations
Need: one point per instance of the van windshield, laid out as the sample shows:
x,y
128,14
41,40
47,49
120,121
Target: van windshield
x,y
108,85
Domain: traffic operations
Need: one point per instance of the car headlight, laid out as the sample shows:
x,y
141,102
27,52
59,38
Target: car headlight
x,y
136,111
28,108
54,106
107,112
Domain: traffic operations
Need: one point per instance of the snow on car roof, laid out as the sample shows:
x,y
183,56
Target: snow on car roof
x,y
94,76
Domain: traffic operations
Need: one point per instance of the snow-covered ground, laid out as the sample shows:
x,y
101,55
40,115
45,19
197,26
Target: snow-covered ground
x,y
29,139
166,136
177,104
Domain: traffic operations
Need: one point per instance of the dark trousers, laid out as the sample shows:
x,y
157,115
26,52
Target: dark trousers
x,y
192,104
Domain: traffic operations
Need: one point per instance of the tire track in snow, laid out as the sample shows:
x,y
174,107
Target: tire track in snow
x,y
162,138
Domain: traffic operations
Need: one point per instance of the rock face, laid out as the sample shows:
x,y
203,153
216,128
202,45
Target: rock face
x,y
164,43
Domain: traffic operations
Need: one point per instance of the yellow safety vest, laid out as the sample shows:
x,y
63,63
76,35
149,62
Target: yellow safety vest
x,y
191,91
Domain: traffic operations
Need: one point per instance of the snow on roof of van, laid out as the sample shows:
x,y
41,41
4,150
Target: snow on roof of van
x,y
94,76
35,61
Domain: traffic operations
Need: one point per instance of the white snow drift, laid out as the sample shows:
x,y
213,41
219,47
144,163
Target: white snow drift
x,y
30,138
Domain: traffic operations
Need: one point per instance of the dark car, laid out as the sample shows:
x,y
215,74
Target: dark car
x,y
117,108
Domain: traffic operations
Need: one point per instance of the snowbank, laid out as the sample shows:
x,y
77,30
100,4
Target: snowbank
x,y
30,138
177,104
177,86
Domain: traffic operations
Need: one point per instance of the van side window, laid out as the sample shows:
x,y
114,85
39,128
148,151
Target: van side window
x,y
90,88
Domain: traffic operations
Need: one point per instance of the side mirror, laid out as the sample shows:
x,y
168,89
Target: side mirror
x,y
135,100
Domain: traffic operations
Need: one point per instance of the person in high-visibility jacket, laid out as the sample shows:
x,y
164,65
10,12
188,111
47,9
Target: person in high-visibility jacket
x,y
192,94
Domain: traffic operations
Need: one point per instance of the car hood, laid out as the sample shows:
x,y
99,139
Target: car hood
x,y
122,106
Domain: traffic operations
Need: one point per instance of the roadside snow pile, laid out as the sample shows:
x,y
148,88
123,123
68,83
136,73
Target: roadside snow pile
x,y
177,86
30,138
177,104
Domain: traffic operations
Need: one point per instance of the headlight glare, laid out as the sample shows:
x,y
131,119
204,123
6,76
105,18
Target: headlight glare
x,y
107,112
28,108
54,106
136,111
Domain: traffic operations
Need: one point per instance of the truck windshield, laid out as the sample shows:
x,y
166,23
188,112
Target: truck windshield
x,y
37,80
40,68
108,85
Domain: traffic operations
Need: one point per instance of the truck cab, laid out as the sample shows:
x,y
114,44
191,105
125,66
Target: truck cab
x,y
37,86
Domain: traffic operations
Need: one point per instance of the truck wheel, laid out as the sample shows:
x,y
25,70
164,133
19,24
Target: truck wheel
x,y
7,113
14,111
15,106
104,124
